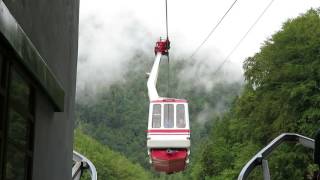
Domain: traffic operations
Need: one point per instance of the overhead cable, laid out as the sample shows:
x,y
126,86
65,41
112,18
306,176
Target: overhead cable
x,y
167,19
245,35
213,30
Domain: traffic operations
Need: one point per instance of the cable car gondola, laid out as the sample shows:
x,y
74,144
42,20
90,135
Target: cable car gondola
x,y
168,134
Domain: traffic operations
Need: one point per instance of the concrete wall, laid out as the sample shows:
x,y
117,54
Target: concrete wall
x,y
52,26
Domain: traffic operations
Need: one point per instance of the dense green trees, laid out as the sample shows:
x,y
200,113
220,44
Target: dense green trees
x,y
109,164
281,94
117,116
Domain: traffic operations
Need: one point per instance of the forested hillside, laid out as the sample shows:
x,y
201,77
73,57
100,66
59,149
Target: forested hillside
x,y
231,121
281,94
117,116
109,164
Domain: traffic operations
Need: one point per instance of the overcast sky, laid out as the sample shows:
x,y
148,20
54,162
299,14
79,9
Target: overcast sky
x,y
111,30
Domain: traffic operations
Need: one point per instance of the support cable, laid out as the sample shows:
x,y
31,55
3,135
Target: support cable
x,y
242,39
167,27
213,30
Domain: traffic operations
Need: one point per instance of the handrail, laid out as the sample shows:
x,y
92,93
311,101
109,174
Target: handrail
x,y
260,157
82,163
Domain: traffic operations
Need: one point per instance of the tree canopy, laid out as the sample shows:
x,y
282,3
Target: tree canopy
x,y
281,94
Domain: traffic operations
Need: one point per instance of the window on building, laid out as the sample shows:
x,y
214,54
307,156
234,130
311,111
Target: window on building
x,y
168,121
156,116
16,121
2,95
19,136
181,120
3,73
1,68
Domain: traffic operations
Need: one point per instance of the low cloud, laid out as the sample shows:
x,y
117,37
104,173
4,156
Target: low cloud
x,y
105,49
203,71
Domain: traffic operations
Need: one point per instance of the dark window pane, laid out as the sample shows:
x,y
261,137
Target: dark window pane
x,y
156,116
168,121
17,128
15,166
181,120
16,147
1,115
1,71
19,92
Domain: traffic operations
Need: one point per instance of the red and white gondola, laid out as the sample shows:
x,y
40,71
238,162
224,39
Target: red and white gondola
x,y
168,134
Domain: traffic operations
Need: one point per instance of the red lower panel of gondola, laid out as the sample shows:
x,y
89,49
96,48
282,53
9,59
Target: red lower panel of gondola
x,y
169,161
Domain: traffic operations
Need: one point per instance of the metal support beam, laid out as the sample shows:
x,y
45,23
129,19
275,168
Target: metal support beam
x,y
76,170
81,163
266,171
262,155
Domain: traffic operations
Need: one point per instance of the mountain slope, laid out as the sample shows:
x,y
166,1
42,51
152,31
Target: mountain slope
x,y
281,94
109,164
117,117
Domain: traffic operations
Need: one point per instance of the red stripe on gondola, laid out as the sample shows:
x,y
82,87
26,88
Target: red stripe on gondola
x,y
168,130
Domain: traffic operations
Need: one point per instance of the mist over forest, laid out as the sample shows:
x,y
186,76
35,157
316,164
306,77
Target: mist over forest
x,y
233,112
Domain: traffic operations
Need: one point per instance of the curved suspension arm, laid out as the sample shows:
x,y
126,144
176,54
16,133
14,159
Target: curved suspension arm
x,y
261,157
81,163
153,77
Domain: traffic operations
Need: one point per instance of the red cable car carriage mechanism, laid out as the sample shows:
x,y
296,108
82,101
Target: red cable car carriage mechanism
x,y
162,46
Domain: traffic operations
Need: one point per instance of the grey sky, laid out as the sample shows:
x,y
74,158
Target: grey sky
x,y
111,30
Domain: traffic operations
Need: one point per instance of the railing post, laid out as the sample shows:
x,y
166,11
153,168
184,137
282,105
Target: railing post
x,y
317,148
266,171
81,163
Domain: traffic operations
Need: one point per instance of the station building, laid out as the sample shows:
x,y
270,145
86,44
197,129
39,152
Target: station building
x,y
38,64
